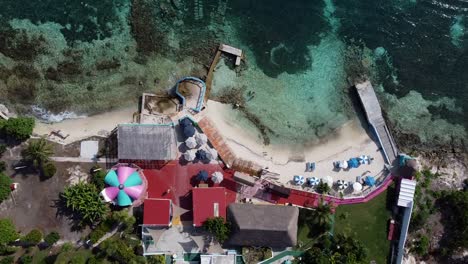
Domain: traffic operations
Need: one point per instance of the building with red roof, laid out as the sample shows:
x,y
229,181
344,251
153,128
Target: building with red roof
x,y
208,202
157,212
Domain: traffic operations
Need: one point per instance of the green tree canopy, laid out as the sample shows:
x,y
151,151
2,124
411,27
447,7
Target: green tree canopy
x,y
83,199
320,218
33,237
8,232
455,219
19,128
52,238
323,187
218,227
37,152
118,250
5,189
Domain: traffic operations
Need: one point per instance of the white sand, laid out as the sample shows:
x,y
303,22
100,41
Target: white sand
x,y
80,128
351,140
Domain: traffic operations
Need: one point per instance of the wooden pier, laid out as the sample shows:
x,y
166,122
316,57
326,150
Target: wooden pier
x,y
375,118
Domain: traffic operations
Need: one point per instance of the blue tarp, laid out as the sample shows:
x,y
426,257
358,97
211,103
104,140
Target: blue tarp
x,y
353,163
202,175
370,181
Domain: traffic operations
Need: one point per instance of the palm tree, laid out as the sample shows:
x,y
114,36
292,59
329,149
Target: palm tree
x,y
37,152
321,216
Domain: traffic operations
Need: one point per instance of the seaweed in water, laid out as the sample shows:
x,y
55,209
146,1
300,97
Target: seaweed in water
x,y
17,44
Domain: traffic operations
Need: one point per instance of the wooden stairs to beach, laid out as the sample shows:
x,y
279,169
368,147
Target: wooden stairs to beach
x,y
375,118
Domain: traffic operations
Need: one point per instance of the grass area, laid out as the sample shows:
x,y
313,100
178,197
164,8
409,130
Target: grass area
x,y
368,223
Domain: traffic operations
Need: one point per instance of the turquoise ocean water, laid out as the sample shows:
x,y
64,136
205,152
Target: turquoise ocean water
x,y
82,57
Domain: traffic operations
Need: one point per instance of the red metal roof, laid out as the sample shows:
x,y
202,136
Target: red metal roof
x,y
208,202
157,212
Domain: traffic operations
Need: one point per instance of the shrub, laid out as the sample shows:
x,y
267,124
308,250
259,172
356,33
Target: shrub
x,y
25,259
97,178
6,250
156,259
52,238
3,166
323,188
49,170
3,148
33,237
421,246
96,234
8,232
66,247
7,260
19,128
5,189
218,228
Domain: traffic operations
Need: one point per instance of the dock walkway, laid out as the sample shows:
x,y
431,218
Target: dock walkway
x,y
377,122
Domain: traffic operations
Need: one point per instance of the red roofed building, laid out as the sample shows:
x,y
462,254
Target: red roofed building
x,y
208,202
157,212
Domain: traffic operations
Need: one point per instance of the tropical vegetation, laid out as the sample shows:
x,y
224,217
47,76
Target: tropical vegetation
x,y
8,232
83,199
38,152
323,188
336,249
52,238
5,189
33,237
218,227
19,128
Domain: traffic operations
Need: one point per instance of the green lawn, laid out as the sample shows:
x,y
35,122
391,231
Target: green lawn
x,y
368,223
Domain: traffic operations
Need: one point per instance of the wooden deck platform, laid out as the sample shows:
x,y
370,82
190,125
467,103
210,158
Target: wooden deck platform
x,y
374,116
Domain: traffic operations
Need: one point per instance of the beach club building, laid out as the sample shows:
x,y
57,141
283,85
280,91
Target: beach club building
x,y
149,146
208,203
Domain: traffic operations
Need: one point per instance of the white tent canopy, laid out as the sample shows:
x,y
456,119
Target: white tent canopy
x,y
190,155
217,177
201,138
191,142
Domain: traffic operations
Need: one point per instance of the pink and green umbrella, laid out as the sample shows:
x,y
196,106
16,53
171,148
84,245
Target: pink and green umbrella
x,y
125,185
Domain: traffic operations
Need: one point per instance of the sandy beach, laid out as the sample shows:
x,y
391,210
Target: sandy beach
x,y
351,140
79,128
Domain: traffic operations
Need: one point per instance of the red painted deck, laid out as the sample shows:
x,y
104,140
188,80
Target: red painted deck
x,y
175,181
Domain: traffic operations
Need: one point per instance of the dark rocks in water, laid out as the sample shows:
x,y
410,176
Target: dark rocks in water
x,y
69,68
108,64
26,70
21,90
18,45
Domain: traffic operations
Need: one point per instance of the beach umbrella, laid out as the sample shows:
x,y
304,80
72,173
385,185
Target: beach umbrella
x,y
342,184
191,142
201,154
190,155
328,180
189,131
313,181
124,185
363,159
298,179
202,175
357,187
211,154
185,122
353,163
217,177
343,164
370,181
201,138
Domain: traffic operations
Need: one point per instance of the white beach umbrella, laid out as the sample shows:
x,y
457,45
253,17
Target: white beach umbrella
x,y
211,154
342,184
190,155
328,180
298,179
201,138
191,142
313,181
343,164
357,187
217,177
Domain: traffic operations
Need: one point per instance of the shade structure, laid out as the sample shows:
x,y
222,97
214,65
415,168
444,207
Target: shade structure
x,y
370,181
190,155
191,142
125,185
201,154
313,181
357,187
202,175
298,179
364,159
201,138
328,180
353,163
189,131
211,154
217,177
342,184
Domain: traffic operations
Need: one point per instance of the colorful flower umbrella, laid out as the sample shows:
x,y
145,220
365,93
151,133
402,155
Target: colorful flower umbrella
x,y
125,185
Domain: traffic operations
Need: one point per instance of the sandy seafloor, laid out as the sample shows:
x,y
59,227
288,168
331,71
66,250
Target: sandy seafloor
x,y
72,60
